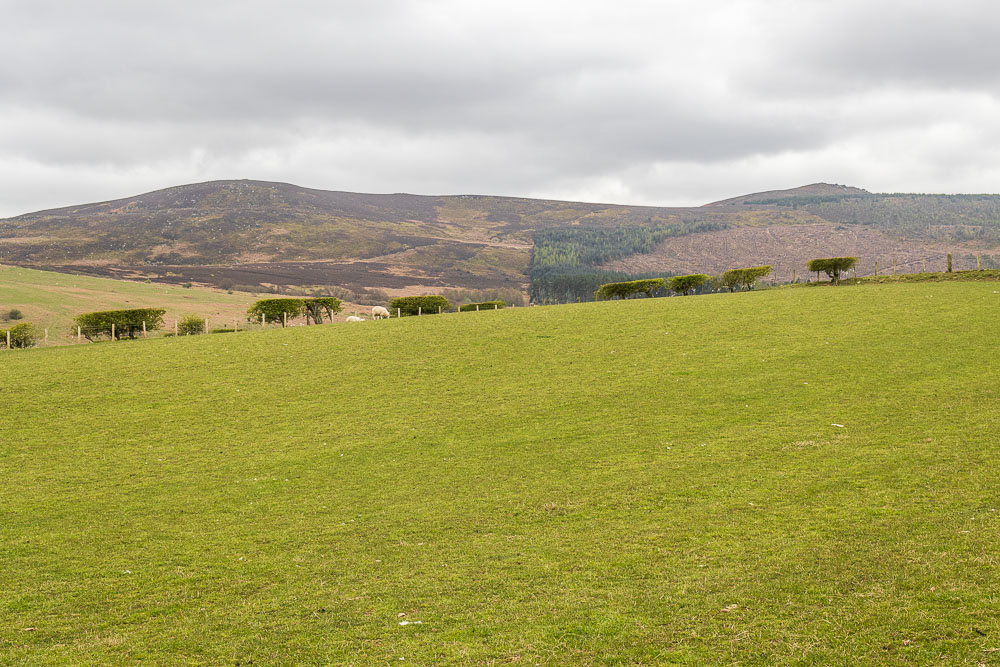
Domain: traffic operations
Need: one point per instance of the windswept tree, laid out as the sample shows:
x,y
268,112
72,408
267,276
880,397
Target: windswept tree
x,y
276,310
743,278
629,288
683,285
832,266
316,307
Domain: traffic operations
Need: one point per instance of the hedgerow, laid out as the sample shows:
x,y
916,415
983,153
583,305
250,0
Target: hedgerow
x,y
629,288
22,335
125,323
684,284
424,305
483,305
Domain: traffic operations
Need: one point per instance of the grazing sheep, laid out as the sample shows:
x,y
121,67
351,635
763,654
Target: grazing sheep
x,y
355,318
378,313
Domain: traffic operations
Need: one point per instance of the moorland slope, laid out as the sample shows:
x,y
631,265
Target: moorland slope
x,y
248,234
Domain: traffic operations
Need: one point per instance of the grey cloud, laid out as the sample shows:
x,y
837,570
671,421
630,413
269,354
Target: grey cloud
x,y
647,102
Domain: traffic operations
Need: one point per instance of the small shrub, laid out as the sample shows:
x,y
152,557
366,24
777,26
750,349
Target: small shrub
x,y
222,331
412,305
191,325
187,285
22,335
13,314
483,305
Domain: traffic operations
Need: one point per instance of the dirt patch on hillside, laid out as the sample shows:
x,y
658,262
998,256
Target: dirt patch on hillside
x,y
788,247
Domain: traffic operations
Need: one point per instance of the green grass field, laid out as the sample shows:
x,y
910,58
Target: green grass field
x,y
774,477
51,300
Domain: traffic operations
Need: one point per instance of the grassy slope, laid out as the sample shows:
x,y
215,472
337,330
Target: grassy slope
x,y
52,299
590,483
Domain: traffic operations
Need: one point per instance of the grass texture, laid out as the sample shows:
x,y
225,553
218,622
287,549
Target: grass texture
x,y
774,477
51,300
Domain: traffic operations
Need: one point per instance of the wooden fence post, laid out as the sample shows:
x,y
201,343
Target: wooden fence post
x,y
175,327
477,307
78,335
893,266
496,306
284,320
398,314
420,310
112,331
8,339
978,265
262,320
439,310
206,325
144,328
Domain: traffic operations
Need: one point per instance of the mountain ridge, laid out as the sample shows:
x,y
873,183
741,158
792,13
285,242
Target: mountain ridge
x,y
273,233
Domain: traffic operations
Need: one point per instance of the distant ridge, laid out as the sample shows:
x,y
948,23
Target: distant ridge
x,y
259,233
812,190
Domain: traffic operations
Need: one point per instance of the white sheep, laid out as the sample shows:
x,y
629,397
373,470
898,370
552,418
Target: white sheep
x,y
379,313
355,318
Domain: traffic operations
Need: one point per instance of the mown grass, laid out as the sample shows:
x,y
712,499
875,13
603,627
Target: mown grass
x,y
647,481
51,300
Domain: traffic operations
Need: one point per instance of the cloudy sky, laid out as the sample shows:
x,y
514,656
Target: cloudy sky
x,y
673,102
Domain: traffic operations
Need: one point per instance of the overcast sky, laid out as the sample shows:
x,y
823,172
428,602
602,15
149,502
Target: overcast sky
x,y
668,102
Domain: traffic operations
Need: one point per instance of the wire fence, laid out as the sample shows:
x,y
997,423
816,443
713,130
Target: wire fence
x,y
865,268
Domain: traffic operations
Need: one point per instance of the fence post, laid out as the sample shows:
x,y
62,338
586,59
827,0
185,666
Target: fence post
x,y
978,266
8,339
144,328
420,310
284,320
477,307
175,327
496,306
398,315
78,336
876,268
206,325
262,320
893,266
439,310
112,331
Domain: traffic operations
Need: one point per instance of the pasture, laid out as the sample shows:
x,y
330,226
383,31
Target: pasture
x,y
804,476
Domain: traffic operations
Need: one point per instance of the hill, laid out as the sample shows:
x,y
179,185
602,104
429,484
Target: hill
x,y
776,477
253,235
51,300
